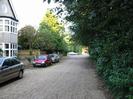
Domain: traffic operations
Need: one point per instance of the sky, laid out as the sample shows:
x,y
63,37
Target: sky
x,y
29,12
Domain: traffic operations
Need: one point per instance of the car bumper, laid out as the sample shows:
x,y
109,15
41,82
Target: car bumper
x,y
39,64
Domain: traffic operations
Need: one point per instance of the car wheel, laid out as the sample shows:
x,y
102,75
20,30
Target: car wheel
x,y
20,75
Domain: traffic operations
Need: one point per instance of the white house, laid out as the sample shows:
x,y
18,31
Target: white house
x,y
8,29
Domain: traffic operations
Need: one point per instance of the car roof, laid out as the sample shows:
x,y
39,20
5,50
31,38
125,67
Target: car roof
x,y
42,56
3,57
6,57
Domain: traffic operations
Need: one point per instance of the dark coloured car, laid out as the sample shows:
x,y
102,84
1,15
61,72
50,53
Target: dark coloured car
x,y
10,68
42,60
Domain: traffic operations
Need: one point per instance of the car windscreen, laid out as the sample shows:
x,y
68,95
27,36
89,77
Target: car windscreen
x,y
51,55
42,57
1,60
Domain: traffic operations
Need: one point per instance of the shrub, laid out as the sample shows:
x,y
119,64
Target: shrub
x,y
114,59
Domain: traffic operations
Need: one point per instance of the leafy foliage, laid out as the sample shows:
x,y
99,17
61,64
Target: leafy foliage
x,y
1,50
26,37
106,27
50,36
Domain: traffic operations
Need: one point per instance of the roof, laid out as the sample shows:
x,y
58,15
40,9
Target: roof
x,y
7,10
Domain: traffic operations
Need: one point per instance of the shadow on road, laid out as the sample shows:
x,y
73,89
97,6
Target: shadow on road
x,y
8,82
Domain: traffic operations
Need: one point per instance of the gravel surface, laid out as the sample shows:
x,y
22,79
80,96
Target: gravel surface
x,y
73,78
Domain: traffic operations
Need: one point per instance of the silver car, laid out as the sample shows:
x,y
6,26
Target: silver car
x,y
55,58
10,68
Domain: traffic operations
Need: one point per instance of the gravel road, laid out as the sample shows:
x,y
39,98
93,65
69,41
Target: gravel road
x,y
73,78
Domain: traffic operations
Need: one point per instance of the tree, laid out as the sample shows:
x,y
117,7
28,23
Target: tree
x,y
50,36
53,23
106,27
26,37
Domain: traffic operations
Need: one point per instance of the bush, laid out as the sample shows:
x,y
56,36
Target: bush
x,y
115,64
106,27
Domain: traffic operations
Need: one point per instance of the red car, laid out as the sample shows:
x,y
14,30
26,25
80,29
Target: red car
x,y
42,60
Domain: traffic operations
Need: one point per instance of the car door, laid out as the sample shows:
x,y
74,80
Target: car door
x,y
5,71
14,68
0,74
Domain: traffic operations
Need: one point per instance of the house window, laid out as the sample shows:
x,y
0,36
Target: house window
x,y
16,46
16,24
1,27
11,52
11,22
14,53
15,30
7,52
11,29
1,22
6,28
6,46
6,21
11,46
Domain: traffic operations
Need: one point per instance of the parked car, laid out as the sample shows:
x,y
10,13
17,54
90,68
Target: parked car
x,y
42,60
10,67
72,53
55,57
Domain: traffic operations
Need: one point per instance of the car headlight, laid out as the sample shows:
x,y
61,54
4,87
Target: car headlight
x,y
43,62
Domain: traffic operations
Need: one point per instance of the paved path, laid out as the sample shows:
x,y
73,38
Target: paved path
x,y
72,78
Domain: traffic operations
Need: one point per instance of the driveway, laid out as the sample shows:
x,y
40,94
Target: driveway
x,y
73,78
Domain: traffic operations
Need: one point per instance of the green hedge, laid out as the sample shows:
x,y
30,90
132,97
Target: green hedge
x,y
106,26
114,59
